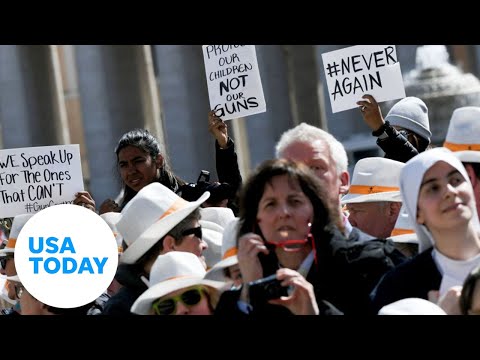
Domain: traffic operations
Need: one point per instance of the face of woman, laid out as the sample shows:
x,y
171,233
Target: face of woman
x,y
445,199
137,168
284,211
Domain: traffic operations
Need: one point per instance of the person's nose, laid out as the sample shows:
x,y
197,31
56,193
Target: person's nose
x,y
203,245
450,190
284,210
182,309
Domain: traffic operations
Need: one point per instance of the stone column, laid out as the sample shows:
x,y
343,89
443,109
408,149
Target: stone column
x,y
31,108
113,97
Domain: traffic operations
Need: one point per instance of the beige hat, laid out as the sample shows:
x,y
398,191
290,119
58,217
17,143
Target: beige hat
x,y
171,272
229,252
18,223
149,216
375,179
111,218
463,135
213,221
404,231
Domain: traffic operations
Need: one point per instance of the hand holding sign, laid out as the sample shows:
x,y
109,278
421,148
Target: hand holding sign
x,y
233,80
357,70
371,112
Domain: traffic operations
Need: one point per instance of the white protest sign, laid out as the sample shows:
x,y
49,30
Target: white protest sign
x,y
34,178
362,69
233,79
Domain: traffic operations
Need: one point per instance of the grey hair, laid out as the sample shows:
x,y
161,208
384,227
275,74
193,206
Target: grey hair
x,y
306,133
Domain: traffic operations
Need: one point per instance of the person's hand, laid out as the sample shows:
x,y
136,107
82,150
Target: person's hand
x,y
371,112
83,198
302,300
218,129
109,205
450,301
249,246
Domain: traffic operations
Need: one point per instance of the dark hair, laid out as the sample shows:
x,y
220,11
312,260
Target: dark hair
x,y
142,139
325,215
468,289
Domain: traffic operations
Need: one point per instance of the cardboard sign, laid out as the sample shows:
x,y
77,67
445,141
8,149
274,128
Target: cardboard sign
x,y
363,69
32,179
233,79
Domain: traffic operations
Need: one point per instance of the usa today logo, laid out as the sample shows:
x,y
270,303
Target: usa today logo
x,y
66,256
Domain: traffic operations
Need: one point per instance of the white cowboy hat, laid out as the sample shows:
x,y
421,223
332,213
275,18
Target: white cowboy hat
x,y
374,179
229,252
173,271
149,216
412,306
18,223
463,135
213,221
410,182
404,231
112,218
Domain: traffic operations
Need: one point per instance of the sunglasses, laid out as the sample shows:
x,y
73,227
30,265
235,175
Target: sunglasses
x,y
3,261
197,231
189,298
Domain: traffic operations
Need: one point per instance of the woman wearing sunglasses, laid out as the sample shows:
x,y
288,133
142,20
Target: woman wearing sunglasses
x,y
285,223
177,287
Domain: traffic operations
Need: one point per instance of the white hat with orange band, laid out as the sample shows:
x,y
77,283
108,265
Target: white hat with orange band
x,y
111,218
18,223
404,231
229,252
375,179
463,135
149,216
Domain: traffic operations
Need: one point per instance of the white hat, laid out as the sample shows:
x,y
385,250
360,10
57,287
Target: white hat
x,y
411,113
463,135
411,179
229,252
374,179
404,231
412,306
149,216
172,271
111,218
18,223
213,221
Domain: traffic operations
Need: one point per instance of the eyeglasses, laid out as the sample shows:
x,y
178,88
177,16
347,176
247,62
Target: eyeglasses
x,y
168,306
197,231
3,261
19,289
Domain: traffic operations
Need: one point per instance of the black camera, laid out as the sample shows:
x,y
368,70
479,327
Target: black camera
x,y
218,191
265,289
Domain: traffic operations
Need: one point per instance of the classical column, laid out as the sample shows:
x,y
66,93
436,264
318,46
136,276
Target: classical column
x,y
115,98
32,110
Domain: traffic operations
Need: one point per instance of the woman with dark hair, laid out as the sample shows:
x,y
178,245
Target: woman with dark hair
x,y
140,162
470,295
285,228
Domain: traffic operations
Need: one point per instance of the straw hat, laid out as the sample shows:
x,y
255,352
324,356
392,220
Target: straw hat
x,y
171,272
375,179
463,135
149,216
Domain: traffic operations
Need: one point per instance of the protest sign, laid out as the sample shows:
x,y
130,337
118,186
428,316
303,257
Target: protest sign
x,y
233,79
32,179
362,69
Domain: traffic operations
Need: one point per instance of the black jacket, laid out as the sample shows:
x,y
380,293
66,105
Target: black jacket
x,y
228,171
396,146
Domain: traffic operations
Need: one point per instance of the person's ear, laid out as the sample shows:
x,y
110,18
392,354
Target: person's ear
x,y
159,161
168,243
344,182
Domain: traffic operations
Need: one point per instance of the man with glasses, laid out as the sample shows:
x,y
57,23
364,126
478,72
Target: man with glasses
x,y
404,133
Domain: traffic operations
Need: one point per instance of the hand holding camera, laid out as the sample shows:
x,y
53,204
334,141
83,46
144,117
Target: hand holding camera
x,y
287,288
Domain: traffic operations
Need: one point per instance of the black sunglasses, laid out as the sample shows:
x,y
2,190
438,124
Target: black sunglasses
x,y
197,231
3,261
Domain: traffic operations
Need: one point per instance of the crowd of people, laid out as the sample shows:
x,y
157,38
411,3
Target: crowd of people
x,y
299,236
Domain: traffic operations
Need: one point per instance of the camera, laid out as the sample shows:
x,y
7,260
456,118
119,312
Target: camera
x,y
218,191
265,289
